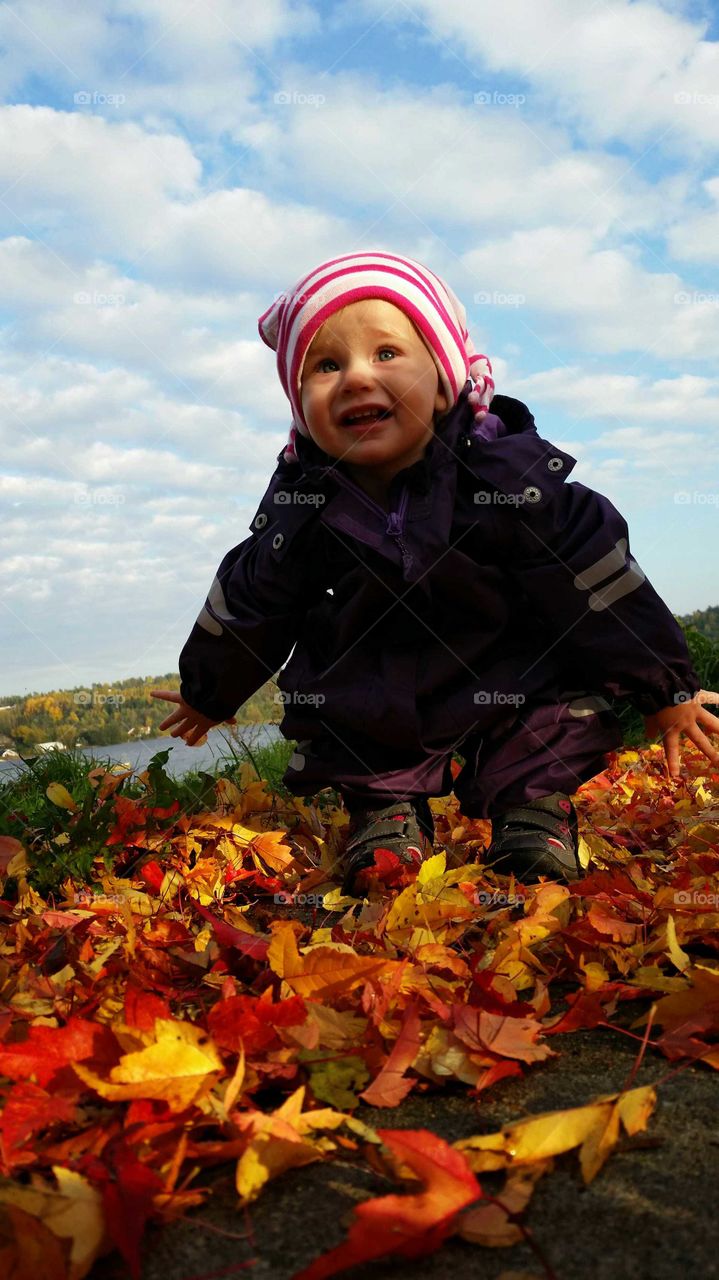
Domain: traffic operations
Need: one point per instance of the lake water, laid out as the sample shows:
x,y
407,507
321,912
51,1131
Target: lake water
x,y
182,758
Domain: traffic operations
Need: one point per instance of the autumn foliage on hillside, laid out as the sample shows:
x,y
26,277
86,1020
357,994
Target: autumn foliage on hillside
x,y
215,999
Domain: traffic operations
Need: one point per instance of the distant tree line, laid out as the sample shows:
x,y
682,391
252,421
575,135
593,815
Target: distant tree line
x,y
706,621
102,713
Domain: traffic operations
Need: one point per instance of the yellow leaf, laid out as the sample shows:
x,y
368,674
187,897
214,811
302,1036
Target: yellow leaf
x,y
585,853
273,849
171,883
178,1068
278,1141
17,866
60,796
599,1142
266,1157
636,1107
322,971
235,1084
596,975
593,1128
678,957
335,900
432,867
433,911
282,955
650,975
442,1055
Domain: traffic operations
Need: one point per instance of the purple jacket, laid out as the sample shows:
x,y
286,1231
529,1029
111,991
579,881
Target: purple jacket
x,y
491,580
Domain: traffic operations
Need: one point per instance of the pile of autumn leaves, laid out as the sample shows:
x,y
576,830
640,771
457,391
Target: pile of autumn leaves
x,y
142,1028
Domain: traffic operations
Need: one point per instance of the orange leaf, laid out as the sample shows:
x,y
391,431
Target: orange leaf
x,y
410,1225
323,972
391,1085
604,921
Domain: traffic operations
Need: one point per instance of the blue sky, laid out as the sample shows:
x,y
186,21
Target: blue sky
x,y
168,166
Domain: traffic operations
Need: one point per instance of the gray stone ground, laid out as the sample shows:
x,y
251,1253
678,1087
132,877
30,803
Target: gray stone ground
x,y
651,1212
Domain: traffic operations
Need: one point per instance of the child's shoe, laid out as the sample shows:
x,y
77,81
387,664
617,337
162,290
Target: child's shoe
x,y
384,845
539,838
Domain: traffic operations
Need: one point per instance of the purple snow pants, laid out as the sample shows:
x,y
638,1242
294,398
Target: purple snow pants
x,y
542,748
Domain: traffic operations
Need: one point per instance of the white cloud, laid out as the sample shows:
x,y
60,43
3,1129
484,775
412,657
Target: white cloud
x,y
613,71
198,61
241,236
77,180
694,236
687,399
599,299
440,156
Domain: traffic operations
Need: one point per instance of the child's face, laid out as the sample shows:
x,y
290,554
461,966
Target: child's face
x,y
370,354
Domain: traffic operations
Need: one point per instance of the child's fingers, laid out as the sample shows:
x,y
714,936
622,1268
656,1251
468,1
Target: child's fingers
x,y
702,742
175,718
670,742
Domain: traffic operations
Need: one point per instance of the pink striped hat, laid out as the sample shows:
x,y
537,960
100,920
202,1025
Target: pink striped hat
x,y
290,324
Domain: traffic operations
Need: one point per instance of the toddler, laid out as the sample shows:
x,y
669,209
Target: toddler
x,y
444,586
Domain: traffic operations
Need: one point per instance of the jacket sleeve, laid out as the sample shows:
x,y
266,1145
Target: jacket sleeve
x,y
571,555
253,612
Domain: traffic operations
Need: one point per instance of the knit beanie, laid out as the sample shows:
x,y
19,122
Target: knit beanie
x,y
291,322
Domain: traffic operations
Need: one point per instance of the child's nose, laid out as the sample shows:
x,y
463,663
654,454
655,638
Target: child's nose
x,y
358,372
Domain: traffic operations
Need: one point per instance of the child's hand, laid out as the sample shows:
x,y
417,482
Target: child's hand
x,y
688,718
192,726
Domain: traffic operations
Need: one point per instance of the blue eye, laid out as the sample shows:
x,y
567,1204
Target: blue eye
x,y
390,349
327,360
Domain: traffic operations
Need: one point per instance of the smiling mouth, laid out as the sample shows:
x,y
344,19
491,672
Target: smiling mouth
x,y
373,418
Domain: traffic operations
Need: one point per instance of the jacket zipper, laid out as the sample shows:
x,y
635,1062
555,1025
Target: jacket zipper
x,y
395,519
395,528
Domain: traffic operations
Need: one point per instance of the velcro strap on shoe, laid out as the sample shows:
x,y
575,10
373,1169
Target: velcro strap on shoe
x,y
382,829
533,817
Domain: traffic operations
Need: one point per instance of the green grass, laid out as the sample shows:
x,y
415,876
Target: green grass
x,y
31,816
